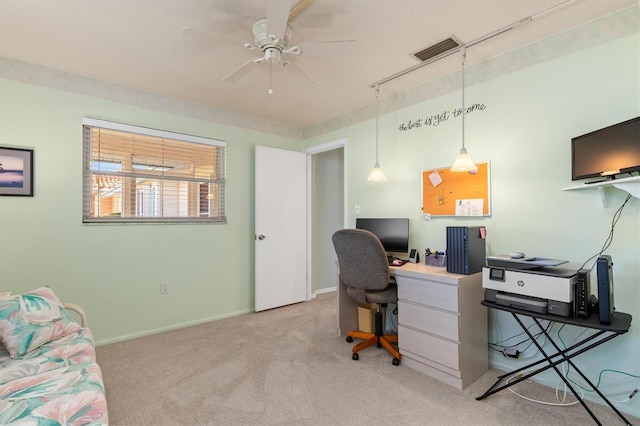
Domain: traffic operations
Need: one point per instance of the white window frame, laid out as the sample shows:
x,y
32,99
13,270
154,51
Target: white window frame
x,y
147,199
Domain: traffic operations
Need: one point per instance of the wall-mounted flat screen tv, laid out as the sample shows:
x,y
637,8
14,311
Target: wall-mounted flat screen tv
x,y
607,152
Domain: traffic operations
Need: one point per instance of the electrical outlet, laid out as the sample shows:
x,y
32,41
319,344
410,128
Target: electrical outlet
x,y
357,209
164,287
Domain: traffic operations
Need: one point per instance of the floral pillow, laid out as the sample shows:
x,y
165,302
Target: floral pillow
x,y
29,320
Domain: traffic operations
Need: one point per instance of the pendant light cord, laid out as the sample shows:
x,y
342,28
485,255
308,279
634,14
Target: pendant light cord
x,y
464,57
377,114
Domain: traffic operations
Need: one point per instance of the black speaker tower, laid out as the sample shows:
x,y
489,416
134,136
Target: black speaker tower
x,y
606,307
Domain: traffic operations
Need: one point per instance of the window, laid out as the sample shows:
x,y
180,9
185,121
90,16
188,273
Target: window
x,y
138,175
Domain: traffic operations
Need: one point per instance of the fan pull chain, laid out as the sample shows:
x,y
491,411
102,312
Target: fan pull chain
x,y
270,91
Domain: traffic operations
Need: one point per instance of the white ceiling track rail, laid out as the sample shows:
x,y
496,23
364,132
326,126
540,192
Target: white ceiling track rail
x,y
472,43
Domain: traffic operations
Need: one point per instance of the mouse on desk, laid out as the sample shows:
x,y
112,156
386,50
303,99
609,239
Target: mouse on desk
x,y
398,262
516,255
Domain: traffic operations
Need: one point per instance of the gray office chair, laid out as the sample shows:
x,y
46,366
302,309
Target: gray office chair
x,y
364,270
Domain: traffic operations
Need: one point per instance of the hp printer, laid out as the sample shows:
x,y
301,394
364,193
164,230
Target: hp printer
x,y
533,284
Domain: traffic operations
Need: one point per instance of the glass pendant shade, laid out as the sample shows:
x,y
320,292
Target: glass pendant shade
x,y
377,175
464,163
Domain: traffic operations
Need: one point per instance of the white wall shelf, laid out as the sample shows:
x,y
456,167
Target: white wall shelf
x,y
629,184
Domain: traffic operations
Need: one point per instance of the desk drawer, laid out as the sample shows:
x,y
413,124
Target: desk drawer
x,y
433,321
430,293
430,347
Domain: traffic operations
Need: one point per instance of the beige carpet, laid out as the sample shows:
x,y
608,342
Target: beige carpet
x,y
287,366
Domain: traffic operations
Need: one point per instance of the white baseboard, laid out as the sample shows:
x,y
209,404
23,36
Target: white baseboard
x,y
322,291
171,327
191,323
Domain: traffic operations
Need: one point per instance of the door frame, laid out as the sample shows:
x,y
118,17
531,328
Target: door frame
x,y
310,151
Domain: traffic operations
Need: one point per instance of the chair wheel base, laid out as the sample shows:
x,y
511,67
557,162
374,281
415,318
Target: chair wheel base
x,y
396,361
355,356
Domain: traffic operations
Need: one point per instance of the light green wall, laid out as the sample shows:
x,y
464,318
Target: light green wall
x,y
114,271
525,132
327,216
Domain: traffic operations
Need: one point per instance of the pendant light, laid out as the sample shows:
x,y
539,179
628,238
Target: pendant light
x,y
377,175
463,162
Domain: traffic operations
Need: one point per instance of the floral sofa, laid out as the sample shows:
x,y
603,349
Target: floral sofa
x,y
48,369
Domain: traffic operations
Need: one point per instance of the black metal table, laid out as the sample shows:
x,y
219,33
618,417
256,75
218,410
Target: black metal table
x,y
620,323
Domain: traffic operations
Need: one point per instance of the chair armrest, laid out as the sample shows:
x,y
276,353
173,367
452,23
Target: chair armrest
x,y
78,310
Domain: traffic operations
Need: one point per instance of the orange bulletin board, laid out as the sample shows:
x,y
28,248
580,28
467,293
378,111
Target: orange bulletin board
x,y
447,193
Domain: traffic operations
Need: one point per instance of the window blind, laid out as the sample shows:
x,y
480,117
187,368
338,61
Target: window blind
x,y
136,174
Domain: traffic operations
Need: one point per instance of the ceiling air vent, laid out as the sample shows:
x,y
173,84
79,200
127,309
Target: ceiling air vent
x,y
438,49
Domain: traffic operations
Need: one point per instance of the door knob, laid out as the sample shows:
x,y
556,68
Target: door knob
x,y
261,237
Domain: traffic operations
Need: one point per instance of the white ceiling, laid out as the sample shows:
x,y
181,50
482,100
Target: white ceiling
x,y
139,44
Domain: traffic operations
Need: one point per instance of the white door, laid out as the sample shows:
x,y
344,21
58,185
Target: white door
x,y
281,228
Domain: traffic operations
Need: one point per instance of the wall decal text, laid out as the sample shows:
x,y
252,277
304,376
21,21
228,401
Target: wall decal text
x,y
437,119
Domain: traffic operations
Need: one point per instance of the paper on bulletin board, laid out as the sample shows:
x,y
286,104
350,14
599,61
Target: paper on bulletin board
x,y
469,207
447,193
435,178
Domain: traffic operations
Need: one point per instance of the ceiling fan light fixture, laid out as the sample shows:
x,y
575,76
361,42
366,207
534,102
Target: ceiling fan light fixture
x,y
264,39
272,53
272,35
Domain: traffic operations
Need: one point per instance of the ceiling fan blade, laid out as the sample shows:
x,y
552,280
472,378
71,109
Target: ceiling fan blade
x,y
343,47
300,70
277,17
313,20
299,8
242,70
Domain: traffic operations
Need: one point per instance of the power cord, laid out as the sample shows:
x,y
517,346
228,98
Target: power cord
x,y
512,350
560,403
607,370
609,239
584,388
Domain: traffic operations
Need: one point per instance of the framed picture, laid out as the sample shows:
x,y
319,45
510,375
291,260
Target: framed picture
x,y
16,172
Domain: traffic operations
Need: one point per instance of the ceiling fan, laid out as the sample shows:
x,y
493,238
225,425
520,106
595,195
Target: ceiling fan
x,y
272,36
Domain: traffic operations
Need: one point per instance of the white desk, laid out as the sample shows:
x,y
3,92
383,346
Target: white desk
x,y
442,326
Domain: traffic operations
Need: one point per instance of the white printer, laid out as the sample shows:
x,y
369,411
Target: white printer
x,y
530,283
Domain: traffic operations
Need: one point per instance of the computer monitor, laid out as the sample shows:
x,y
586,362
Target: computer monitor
x,y
393,233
